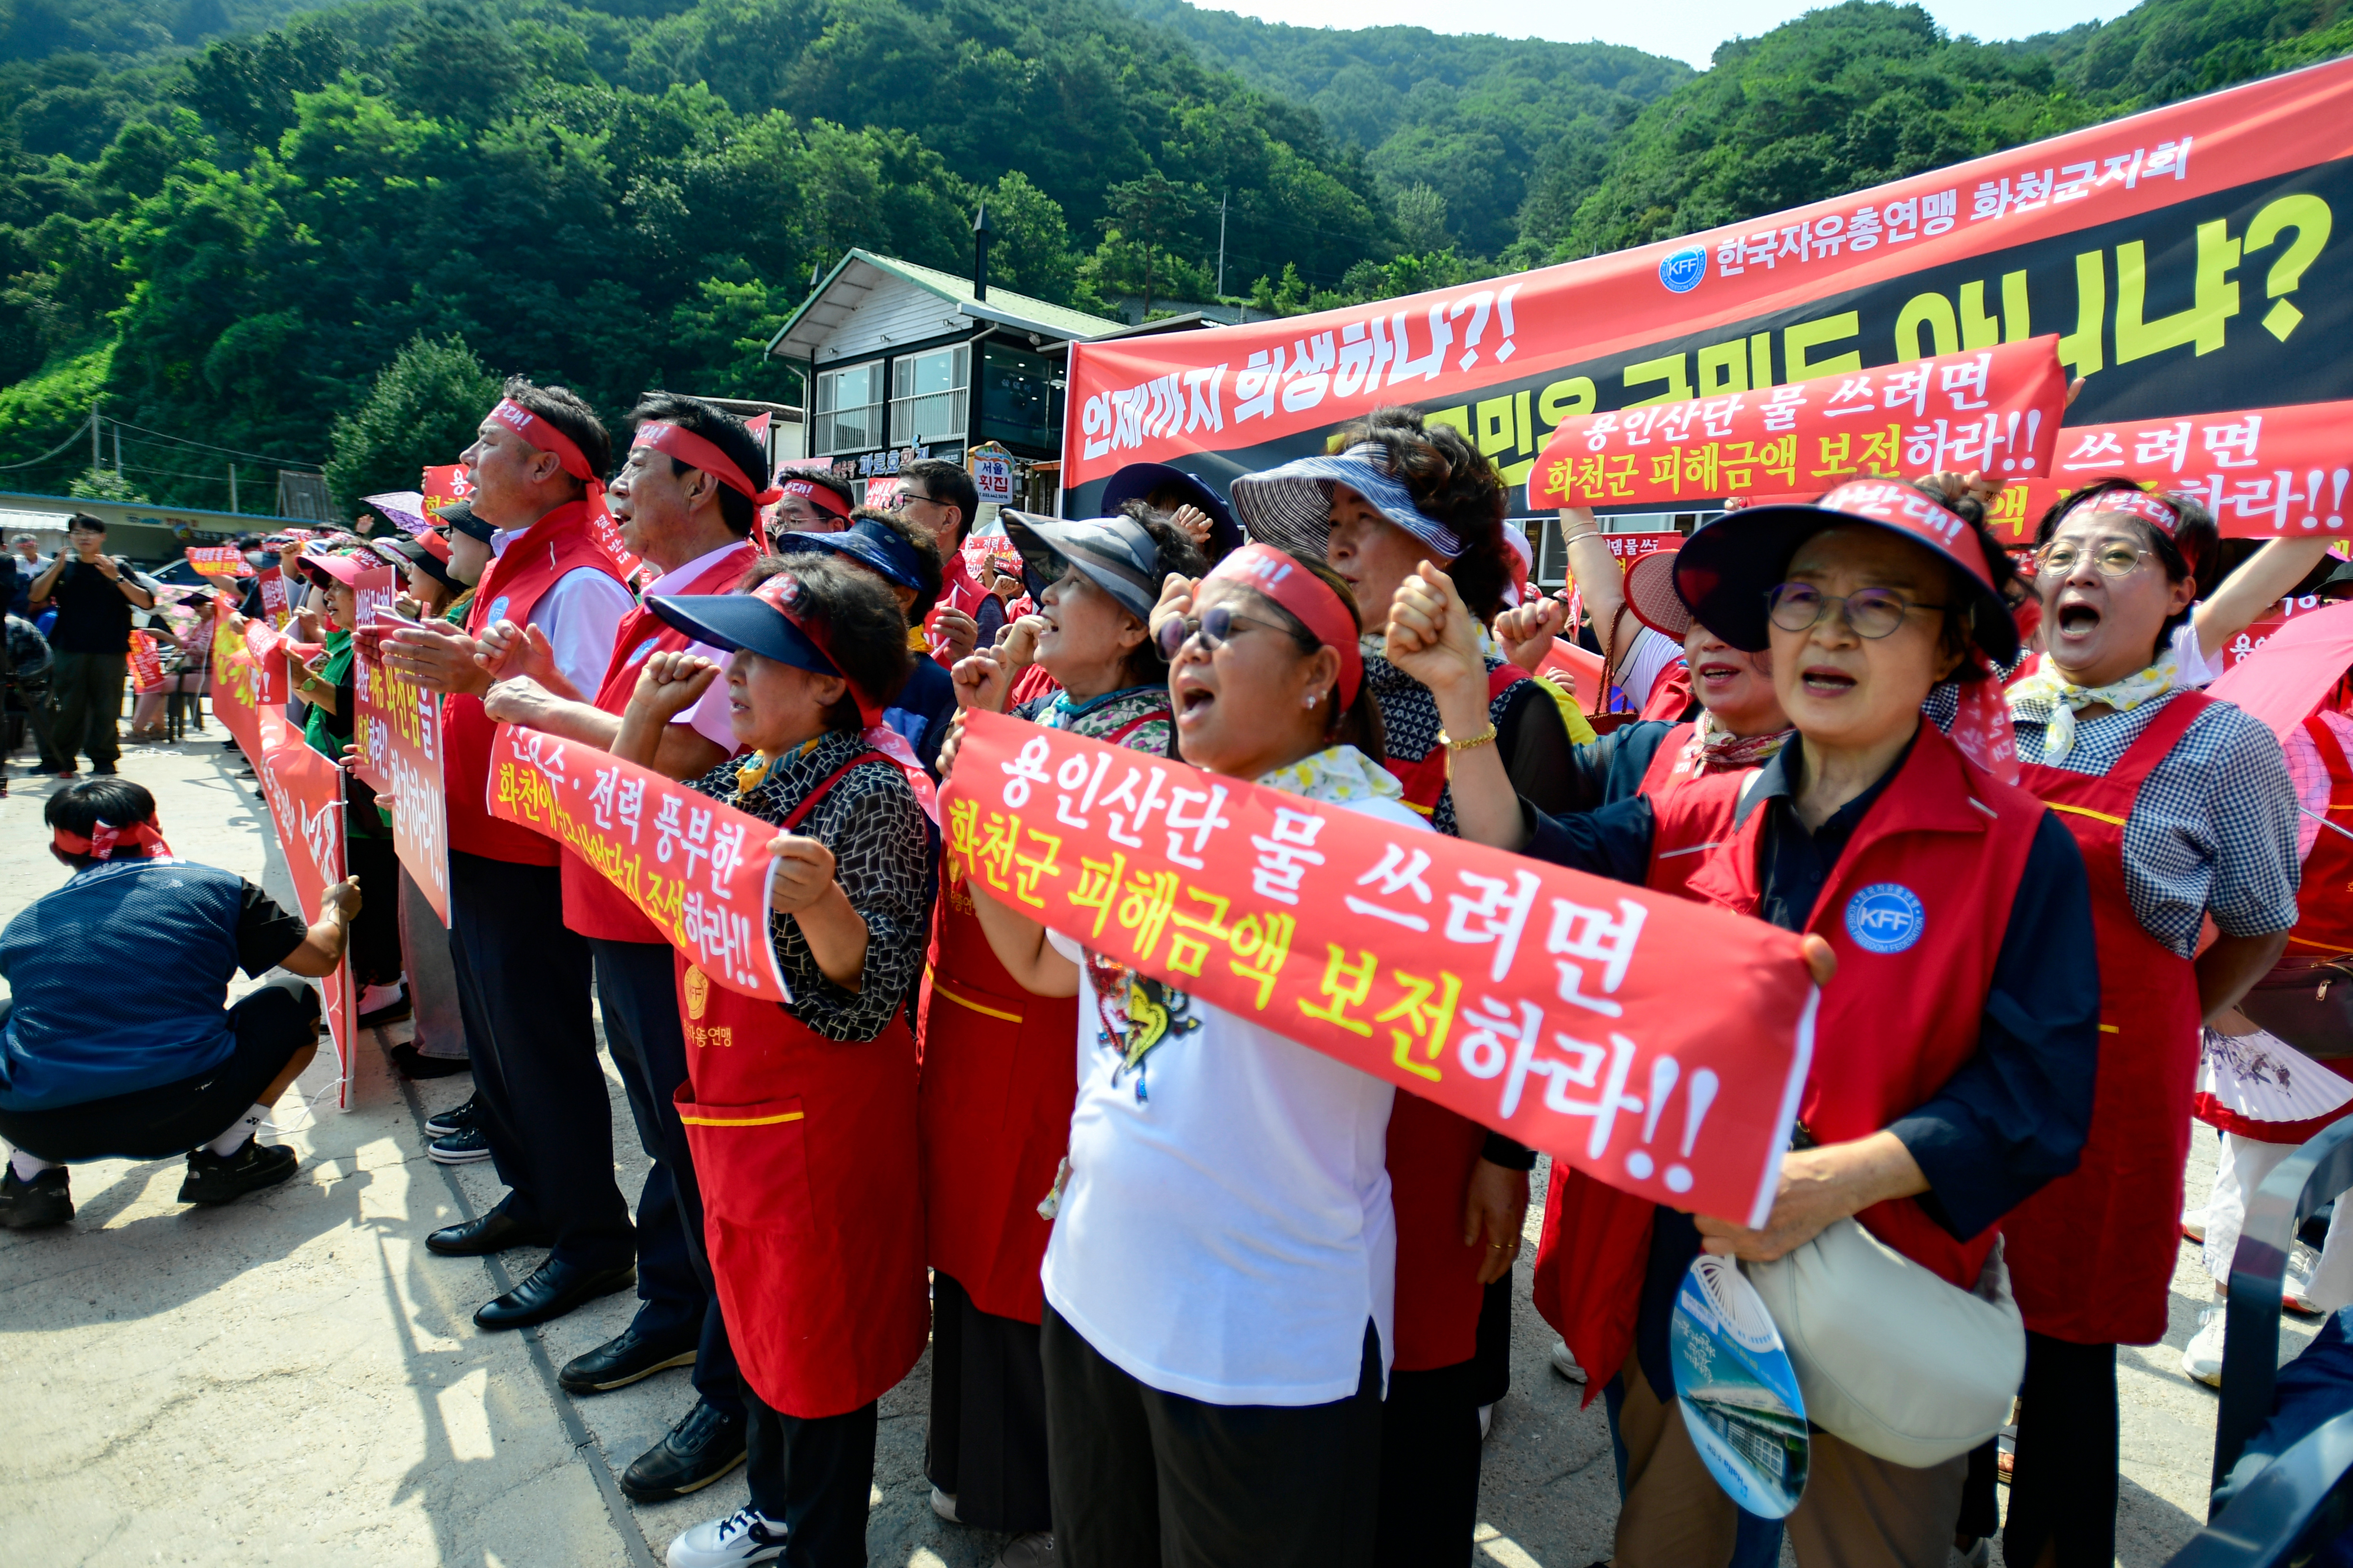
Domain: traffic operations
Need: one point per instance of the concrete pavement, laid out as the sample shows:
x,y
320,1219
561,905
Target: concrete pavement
x,y
293,1379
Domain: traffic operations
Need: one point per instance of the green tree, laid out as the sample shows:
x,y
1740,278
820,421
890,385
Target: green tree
x,y
423,409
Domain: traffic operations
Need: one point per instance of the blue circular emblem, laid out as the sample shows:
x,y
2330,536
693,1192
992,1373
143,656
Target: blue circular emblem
x,y
498,611
1681,271
643,648
1886,917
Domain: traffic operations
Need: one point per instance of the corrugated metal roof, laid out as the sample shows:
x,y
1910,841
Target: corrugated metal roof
x,y
837,299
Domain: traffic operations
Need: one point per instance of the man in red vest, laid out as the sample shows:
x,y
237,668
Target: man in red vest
x,y
940,496
537,466
687,500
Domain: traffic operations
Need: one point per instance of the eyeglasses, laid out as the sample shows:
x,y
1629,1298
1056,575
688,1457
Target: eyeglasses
x,y
1212,625
1872,613
908,498
2113,557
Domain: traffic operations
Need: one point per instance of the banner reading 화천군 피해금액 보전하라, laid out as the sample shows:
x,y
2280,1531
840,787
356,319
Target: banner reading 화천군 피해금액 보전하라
x,y
2191,260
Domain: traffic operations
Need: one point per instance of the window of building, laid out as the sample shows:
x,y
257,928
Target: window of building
x,y
1017,402
927,395
849,410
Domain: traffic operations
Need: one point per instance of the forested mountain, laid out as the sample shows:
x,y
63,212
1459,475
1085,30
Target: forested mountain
x,y
231,237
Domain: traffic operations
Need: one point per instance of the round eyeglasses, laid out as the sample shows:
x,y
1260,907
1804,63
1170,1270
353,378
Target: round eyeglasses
x,y
1872,612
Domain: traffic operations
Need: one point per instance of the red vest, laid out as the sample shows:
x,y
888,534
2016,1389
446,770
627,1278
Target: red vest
x,y
1424,777
999,1078
1699,822
1670,695
805,1149
2324,921
2116,1218
1915,910
564,540
592,905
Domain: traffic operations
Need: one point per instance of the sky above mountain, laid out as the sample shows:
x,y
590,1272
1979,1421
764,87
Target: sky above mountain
x,y
1688,30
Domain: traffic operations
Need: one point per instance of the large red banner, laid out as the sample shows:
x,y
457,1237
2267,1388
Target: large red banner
x,y
697,867
146,663
2183,255
1995,411
219,560
1553,1005
396,750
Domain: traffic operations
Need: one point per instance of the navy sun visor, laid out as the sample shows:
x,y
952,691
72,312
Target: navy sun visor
x,y
1290,507
1142,481
870,544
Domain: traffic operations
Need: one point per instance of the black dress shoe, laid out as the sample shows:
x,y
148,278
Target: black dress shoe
x,y
414,1063
492,1232
705,1445
626,1358
555,1289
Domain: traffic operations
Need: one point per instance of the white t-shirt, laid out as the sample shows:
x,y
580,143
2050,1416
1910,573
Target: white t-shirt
x,y
709,715
1225,1232
2194,669
579,612
1647,657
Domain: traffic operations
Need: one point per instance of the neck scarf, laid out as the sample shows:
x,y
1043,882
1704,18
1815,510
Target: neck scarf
x,y
1340,774
1713,749
2048,698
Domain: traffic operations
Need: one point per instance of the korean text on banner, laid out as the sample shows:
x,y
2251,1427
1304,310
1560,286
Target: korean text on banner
x,y
396,737
445,484
306,804
1545,1004
274,604
1995,411
245,684
2184,256
697,867
146,663
223,560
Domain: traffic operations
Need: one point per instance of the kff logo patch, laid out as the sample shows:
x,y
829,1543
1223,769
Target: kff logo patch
x,y
1886,917
1682,270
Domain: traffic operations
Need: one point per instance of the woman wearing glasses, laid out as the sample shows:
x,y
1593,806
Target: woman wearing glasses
x,y
1395,490
1951,1075
2184,812
989,1044
1217,1288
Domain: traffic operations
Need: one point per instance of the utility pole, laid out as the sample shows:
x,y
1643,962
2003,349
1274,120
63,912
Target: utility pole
x,y
94,458
117,451
232,488
1222,244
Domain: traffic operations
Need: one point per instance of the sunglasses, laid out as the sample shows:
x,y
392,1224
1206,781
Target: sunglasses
x,y
1873,613
1213,625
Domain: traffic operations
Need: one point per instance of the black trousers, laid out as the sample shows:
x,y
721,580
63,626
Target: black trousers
x,y
638,993
1429,1465
1143,1479
375,930
523,986
2062,1486
814,1474
270,1023
85,701
986,1445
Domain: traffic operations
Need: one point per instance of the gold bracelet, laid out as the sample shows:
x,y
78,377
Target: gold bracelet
x,y
1484,738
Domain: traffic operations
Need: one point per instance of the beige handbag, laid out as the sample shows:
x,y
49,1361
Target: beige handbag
x,y
1889,1356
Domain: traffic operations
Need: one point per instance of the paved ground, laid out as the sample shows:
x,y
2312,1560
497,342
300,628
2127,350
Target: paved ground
x,y
295,1376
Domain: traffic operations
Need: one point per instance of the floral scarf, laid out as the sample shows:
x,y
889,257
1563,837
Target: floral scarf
x,y
2045,696
1713,749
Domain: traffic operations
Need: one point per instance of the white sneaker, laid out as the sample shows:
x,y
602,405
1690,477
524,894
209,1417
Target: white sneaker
x,y
1035,1549
944,1506
744,1536
2202,1357
2295,1290
1565,1362
2193,1224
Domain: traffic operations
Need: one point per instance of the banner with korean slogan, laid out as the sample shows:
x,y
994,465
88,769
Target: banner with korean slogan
x,y
245,683
146,663
1543,1003
306,803
396,742
2187,258
1994,411
698,867
221,561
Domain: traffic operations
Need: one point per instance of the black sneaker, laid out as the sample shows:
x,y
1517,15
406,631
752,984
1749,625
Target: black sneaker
x,y
457,1118
224,1178
101,769
415,1064
28,1206
462,1147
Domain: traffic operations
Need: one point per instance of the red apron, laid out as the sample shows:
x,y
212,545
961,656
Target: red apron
x,y
2091,1256
1431,1152
2324,921
592,905
999,1077
1424,777
805,1149
564,540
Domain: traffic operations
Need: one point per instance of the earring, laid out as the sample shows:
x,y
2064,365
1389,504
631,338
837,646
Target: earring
x,y
1310,703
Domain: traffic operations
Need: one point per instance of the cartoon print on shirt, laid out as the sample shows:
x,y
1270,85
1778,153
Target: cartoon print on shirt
x,y
1138,1012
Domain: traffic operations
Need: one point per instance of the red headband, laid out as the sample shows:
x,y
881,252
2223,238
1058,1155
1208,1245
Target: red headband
x,y
1900,506
548,438
2160,514
1279,577
697,453
822,496
782,592
100,844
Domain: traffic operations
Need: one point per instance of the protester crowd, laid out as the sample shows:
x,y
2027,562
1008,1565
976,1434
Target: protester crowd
x,y
1196,1293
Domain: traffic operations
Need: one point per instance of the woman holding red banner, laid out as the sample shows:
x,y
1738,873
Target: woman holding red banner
x,y
1643,661
1398,489
988,1042
1951,1077
2184,812
802,1116
1217,1288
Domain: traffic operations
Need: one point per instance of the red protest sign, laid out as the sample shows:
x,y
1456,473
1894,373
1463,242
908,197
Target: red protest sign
x,y
146,663
1544,1003
696,867
245,683
218,561
274,602
306,803
1994,409
396,737
445,484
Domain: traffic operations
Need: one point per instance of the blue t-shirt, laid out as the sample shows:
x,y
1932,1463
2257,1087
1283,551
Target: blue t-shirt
x,y
119,979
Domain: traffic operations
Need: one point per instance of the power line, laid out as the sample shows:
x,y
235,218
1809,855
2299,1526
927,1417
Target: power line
x,y
228,451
